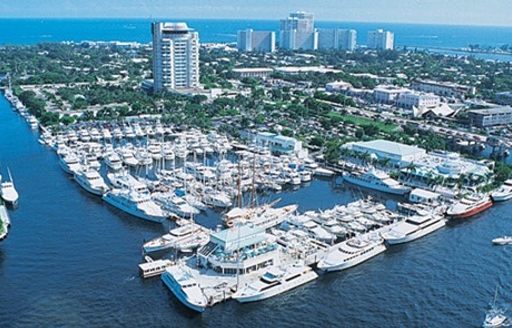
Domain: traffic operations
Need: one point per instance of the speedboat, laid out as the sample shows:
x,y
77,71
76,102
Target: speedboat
x,y
376,180
186,289
502,194
469,206
505,240
137,204
91,181
352,252
413,228
274,282
8,191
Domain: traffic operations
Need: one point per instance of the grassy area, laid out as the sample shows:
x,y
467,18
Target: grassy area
x,y
362,121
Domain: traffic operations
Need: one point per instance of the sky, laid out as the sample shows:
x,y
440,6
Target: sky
x,y
459,12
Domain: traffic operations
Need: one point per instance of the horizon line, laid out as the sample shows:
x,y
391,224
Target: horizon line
x,y
243,19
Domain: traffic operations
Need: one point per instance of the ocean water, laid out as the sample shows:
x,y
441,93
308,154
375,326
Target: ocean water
x,y
70,260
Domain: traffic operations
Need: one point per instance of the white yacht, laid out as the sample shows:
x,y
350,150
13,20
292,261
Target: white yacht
x,y
91,181
137,204
122,180
352,252
176,205
502,194
184,238
274,282
5,222
128,157
185,288
114,161
70,163
376,180
413,228
217,198
8,191
106,134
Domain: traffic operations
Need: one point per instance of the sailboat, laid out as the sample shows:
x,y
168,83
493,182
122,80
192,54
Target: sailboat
x,y
495,317
8,191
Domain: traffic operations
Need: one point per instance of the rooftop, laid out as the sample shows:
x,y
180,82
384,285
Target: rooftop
x,y
493,110
239,237
389,147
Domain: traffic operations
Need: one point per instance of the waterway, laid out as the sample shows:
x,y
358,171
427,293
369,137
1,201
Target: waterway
x,y
70,260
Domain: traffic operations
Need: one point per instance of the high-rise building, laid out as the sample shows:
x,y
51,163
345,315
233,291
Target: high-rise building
x,y
338,39
175,56
381,40
298,32
257,41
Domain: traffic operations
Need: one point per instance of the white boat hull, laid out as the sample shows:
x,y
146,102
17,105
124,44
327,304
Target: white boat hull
x,y
137,213
179,294
395,191
358,260
416,235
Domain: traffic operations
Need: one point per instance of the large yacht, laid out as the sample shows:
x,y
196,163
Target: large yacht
x,y
469,206
413,228
176,205
70,163
504,193
124,180
91,181
185,288
8,191
352,252
264,216
5,222
114,161
376,180
274,282
137,204
184,238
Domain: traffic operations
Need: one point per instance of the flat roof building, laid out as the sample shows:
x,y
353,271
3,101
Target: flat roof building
x,y
381,40
504,98
397,153
337,39
388,94
257,41
298,32
259,72
490,116
410,100
445,89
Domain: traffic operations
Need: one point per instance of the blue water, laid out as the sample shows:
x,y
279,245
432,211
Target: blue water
x,y
29,31
70,260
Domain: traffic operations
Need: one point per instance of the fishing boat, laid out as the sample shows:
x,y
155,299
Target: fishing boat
x,y
469,206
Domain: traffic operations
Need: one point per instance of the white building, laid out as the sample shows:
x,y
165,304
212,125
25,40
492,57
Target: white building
x,y
381,40
409,100
338,86
278,144
175,56
259,72
397,153
387,94
257,41
298,32
337,39
445,89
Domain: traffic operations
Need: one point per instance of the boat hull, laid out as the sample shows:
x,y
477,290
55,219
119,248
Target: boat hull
x,y
168,281
358,260
137,213
394,191
501,197
474,211
416,235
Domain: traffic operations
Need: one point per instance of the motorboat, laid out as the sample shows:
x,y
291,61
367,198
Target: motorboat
x,y
91,181
176,205
275,281
376,180
70,163
186,289
495,316
137,204
183,238
469,206
352,252
8,191
413,228
502,194
505,240
114,161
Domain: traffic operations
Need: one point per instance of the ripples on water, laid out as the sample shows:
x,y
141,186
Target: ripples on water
x,y
71,261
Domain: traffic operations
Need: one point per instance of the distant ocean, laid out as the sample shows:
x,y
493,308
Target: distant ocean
x,y
30,31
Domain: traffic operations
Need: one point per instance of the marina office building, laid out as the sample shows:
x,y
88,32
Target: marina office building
x,y
175,56
490,116
257,41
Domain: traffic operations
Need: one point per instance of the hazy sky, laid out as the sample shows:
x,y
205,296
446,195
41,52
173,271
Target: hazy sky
x,y
466,12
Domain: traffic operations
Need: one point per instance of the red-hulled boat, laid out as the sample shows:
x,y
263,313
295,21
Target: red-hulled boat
x,y
469,206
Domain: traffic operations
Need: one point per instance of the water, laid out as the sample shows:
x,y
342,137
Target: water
x,y
71,261
30,31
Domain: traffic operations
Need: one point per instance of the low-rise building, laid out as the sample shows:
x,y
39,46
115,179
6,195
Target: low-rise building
x,y
338,86
490,116
278,144
504,98
259,72
410,100
388,94
445,89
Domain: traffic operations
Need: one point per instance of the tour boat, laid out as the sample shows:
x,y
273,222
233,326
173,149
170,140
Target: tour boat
x,y
413,228
91,181
505,240
468,207
8,191
274,282
185,288
137,204
376,180
351,253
